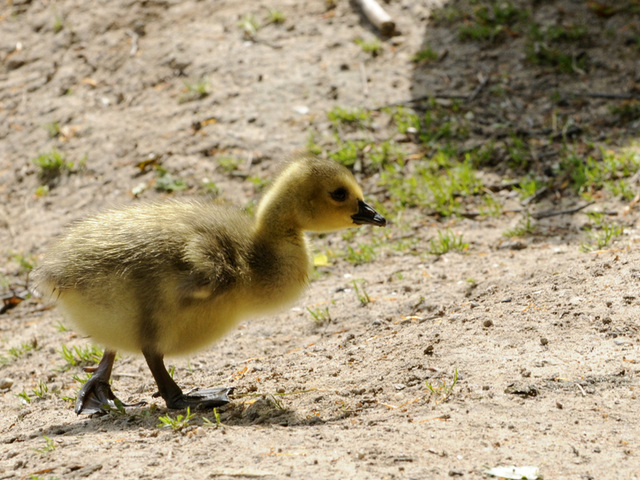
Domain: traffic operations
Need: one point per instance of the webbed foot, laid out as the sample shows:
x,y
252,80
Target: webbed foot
x,y
204,398
96,395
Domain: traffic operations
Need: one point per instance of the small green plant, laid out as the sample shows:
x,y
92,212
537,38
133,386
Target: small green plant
x,y
320,315
53,129
58,24
228,164
358,117
82,379
178,423
62,327
249,26
275,16
443,391
25,263
18,352
524,228
447,241
166,182
172,370
541,53
210,188
491,22
52,164
528,187
361,293
491,208
363,253
25,397
373,47
627,111
194,90
208,423
49,446
424,55
601,235
258,183
81,356
41,391
42,191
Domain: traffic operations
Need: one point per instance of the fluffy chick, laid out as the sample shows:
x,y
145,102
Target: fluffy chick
x,y
170,278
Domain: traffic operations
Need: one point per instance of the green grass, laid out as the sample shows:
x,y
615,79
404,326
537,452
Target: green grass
x,y
227,163
372,47
26,263
627,111
209,187
167,182
49,446
424,55
52,164
81,356
18,352
177,423
589,174
524,228
491,22
360,254
447,241
357,117
442,391
58,24
601,233
276,16
320,315
361,293
195,90
528,187
53,129
249,26
438,184
208,423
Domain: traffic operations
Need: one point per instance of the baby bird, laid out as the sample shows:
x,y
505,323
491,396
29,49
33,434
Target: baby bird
x,y
170,278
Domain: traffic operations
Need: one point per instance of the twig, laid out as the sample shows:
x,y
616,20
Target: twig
x,y
612,96
555,213
363,76
134,42
376,15
536,196
483,83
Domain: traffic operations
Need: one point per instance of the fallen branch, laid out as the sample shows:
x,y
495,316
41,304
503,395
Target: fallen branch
x,y
555,213
376,15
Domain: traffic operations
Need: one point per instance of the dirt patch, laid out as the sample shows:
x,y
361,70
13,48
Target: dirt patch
x,y
520,352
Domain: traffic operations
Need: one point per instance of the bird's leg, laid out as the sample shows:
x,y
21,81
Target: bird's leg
x,y
96,395
172,393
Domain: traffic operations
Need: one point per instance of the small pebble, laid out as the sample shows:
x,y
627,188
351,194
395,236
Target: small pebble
x,y
280,390
544,341
6,383
488,323
428,350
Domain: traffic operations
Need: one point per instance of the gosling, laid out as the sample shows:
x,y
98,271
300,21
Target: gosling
x,y
170,278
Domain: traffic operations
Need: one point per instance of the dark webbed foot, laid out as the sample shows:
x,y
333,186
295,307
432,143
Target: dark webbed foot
x,y
96,395
205,398
172,393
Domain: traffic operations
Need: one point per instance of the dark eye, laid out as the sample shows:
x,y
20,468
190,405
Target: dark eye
x,y
340,194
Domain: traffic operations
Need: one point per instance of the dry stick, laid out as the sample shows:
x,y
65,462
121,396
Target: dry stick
x,y
482,83
376,15
614,96
554,213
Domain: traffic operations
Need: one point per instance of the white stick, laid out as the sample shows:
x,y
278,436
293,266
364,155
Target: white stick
x,y
378,16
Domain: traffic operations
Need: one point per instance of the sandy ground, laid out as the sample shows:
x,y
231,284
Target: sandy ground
x,y
514,353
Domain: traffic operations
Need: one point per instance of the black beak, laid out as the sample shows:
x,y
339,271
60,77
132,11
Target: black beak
x,y
367,216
